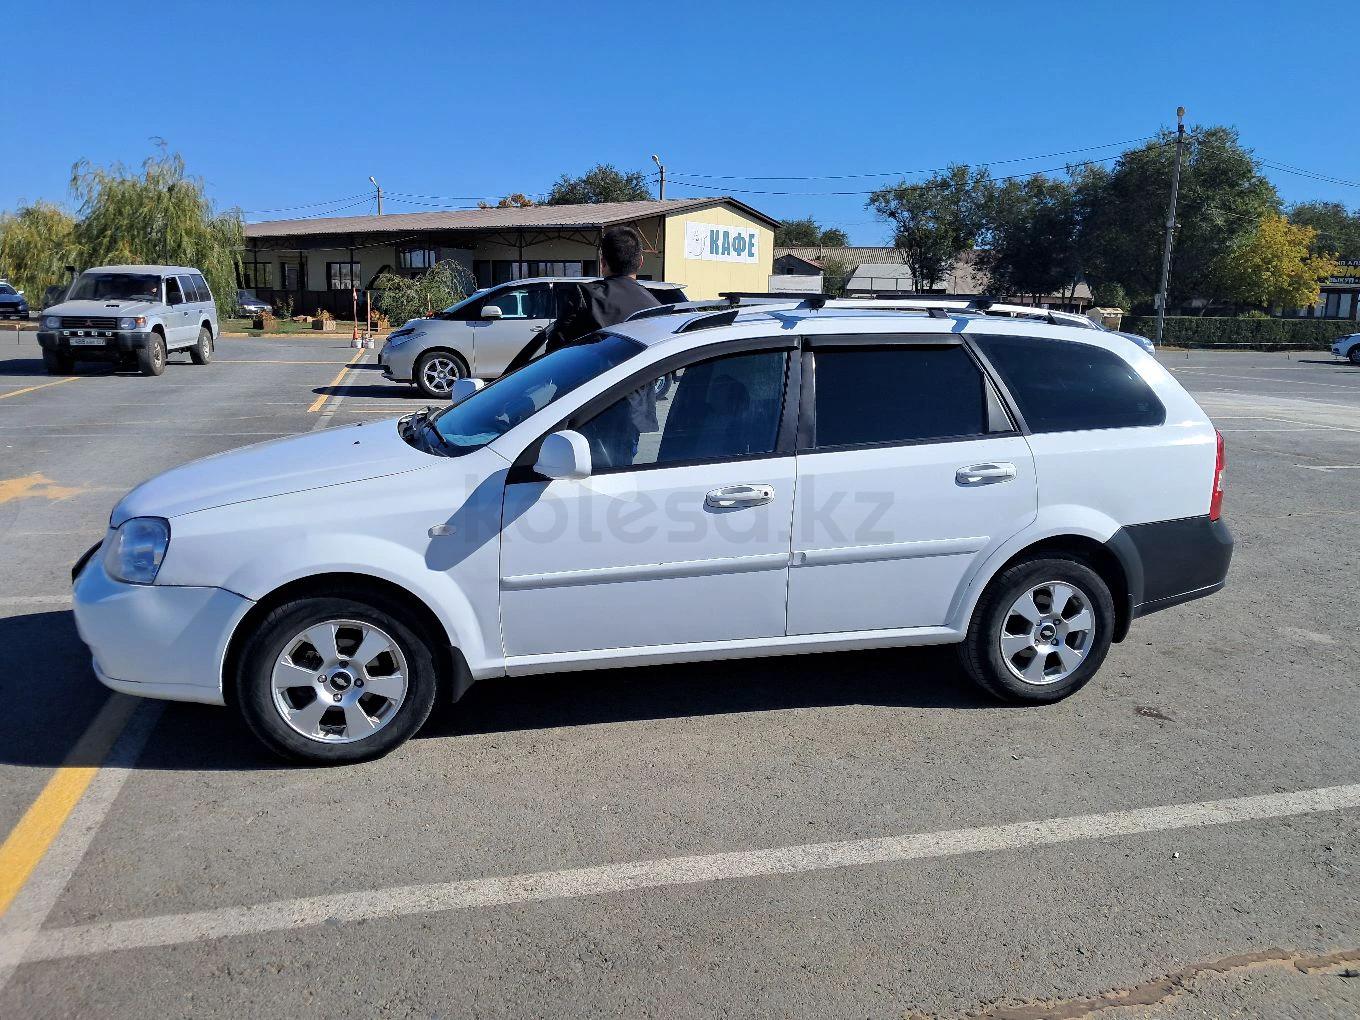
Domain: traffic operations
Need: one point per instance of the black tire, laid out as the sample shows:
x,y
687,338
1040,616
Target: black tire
x,y
151,358
255,690
201,353
57,363
1354,356
981,654
438,365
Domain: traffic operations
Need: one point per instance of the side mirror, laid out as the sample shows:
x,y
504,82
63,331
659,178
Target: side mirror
x,y
564,455
463,388
491,312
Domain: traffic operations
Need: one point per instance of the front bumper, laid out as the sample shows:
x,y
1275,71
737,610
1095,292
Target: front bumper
x,y
111,342
398,362
156,641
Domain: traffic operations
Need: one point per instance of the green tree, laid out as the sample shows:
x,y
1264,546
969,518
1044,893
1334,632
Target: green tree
x,y
1272,266
1338,230
936,220
808,233
1222,200
1031,237
156,215
403,298
515,200
601,183
36,246
836,271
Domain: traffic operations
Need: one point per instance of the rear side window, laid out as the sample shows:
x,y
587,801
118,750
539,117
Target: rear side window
x,y
1063,386
204,294
899,394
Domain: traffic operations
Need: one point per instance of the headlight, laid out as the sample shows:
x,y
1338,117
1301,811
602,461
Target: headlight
x,y
135,552
51,322
132,322
401,336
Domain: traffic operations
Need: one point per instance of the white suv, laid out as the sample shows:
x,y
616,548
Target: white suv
x,y
815,479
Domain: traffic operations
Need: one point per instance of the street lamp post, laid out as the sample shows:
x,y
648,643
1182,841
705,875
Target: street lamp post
x,y
379,187
1170,223
661,188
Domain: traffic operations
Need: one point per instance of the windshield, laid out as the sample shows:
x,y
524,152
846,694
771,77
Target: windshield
x,y
6,289
116,287
512,398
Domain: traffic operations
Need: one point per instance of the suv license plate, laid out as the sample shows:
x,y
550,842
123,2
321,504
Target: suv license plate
x,y
86,341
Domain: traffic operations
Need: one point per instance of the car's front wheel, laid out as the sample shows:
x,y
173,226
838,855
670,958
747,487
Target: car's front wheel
x,y
335,680
151,358
437,371
1040,631
56,363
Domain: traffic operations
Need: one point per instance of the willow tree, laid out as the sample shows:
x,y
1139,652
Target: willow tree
x,y
156,215
36,245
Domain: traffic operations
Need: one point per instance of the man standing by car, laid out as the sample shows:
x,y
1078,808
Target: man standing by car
x,y
599,304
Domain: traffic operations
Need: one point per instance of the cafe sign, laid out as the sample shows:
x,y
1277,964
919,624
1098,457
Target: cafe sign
x,y
717,242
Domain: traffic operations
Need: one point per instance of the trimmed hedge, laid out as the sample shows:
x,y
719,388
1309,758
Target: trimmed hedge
x,y
1253,334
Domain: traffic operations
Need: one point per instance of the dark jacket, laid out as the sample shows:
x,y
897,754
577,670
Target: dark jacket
x,y
585,309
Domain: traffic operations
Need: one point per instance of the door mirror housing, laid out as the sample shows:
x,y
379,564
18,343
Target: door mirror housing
x,y
491,312
564,454
462,389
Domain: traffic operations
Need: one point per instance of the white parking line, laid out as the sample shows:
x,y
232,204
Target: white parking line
x,y
288,915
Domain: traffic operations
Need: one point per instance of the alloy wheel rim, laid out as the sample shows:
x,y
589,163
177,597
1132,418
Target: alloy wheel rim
x,y
440,374
1047,633
339,681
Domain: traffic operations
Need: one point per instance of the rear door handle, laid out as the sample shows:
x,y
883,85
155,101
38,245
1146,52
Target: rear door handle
x,y
984,474
731,497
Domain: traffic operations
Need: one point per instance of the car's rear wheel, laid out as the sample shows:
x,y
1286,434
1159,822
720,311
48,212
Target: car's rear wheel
x,y
201,353
151,358
57,363
335,680
437,371
1354,355
1040,631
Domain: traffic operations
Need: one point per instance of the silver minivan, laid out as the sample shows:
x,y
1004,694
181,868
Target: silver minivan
x,y
479,336
130,315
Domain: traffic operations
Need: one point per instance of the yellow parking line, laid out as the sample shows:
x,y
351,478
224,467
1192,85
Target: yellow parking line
x,y
321,399
30,839
40,386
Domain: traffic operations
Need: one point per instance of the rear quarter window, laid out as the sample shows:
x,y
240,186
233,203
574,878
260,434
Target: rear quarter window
x,y
1065,386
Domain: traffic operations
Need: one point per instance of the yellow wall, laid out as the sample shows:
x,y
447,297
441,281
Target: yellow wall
x,y
703,279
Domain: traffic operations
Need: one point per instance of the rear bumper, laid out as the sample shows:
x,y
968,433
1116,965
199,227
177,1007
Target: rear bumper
x,y
1167,563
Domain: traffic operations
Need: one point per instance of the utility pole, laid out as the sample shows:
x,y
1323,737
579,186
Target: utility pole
x,y
1170,223
379,187
661,190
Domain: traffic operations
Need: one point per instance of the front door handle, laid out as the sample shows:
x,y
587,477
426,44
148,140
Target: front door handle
x,y
732,497
984,474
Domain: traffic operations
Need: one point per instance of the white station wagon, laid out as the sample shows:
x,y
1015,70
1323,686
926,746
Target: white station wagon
x,y
814,479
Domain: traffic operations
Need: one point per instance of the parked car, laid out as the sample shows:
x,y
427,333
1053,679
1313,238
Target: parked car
x,y
130,315
13,304
1348,347
480,335
251,305
819,479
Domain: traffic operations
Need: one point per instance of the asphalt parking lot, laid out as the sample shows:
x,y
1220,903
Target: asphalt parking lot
x,y
716,840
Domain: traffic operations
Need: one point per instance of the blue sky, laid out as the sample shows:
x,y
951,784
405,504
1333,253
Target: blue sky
x,y
286,104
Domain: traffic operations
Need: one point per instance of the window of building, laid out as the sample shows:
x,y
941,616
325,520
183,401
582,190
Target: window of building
x,y
342,275
897,394
721,409
290,276
416,259
1063,386
256,274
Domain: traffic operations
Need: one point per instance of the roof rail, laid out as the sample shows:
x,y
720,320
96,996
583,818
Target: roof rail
x,y
709,320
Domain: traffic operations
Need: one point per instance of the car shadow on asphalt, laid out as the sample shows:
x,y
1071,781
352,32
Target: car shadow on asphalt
x,y
1345,366
24,367
40,731
385,390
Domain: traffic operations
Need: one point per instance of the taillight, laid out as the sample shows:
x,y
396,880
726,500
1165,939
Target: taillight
x,y
1216,497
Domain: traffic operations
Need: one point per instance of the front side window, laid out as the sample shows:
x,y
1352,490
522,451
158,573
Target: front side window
x,y
897,394
342,275
720,409
496,409
1063,385
116,287
510,302
173,295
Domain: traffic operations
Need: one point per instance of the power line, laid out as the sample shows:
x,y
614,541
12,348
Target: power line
x,y
906,173
308,205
